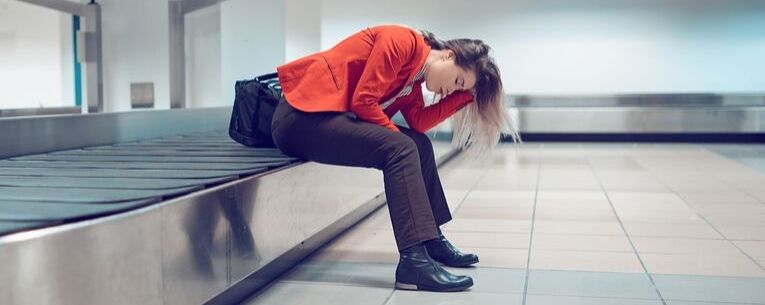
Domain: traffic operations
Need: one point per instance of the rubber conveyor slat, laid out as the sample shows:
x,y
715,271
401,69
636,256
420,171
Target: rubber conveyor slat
x,y
48,189
123,173
206,153
169,159
108,183
85,195
130,165
58,211
7,227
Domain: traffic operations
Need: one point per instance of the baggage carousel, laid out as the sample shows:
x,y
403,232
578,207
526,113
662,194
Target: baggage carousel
x,y
72,185
161,207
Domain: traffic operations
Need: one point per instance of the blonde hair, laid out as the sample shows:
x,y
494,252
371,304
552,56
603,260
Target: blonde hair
x,y
480,125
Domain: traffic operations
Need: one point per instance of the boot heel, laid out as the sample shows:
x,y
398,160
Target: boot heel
x,y
403,286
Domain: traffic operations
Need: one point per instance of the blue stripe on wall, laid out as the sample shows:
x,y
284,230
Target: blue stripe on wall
x,y
77,67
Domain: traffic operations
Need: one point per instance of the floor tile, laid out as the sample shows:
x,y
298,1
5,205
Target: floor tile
x,y
533,299
742,232
636,229
488,239
400,297
488,225
499,258
578,227
302,294
542,241
755,249
585,261
494,280
711,289
699,264
671,245
591,284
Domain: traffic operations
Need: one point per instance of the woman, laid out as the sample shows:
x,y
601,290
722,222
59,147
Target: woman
x,y
336,110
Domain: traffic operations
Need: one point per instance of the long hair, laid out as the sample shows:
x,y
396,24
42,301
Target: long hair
x,y
479,126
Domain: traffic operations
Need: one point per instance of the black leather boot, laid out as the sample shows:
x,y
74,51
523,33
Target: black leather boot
x,y
442,251
417,271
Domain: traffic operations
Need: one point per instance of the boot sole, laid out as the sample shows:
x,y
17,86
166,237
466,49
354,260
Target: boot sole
x,y
404,286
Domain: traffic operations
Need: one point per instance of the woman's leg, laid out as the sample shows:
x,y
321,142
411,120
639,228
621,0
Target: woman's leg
x,y
339,139
438,203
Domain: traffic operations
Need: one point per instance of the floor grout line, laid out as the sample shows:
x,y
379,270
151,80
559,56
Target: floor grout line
x,y
531,237
629,239
709,223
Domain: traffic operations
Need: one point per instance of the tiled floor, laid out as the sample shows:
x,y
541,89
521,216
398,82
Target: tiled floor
x,y
564,223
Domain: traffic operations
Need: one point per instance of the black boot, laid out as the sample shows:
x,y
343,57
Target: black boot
x,y
417,271
442,251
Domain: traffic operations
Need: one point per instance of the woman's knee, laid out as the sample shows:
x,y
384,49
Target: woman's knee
x,y
400,145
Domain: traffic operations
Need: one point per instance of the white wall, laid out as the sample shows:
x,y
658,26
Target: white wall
x,y
203,58
542,46
35,57
303,28
589,46
252,41
135,49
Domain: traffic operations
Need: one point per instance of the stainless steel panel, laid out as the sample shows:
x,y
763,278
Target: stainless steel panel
x,y
638,113
30,135
639,100
187,250
85,263
641,119
39,111
255,220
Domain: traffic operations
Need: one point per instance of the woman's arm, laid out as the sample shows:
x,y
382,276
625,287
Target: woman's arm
x,y
392,49
422,119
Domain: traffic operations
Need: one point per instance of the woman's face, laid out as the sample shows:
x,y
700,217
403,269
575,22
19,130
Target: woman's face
x,y
444,76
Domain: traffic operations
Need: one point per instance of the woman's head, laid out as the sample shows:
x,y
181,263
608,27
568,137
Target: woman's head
x,y
465,64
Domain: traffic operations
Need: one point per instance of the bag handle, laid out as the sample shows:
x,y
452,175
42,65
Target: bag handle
x,y
266,76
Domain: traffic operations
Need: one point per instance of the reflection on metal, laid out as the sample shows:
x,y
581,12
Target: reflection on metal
x,y
669,113
640,100
177,10
39,111
228,239
31,135
89,52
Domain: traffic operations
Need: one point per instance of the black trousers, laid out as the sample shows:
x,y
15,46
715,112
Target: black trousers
x,y
416,199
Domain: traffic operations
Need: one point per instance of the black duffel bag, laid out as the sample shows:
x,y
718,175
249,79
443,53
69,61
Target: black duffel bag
x,y
254,106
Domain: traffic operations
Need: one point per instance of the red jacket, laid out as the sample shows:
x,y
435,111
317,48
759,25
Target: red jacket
x,y
363,71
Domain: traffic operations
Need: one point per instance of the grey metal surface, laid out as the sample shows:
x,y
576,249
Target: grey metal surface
x,y
687,100
108,183
56,212
125,173
189,249
150,159
7,227
130,165
114,183
86,195
60,132
277,156
639,120
641,113
39,111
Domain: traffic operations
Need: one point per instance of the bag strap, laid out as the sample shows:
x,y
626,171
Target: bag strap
x,y
266,76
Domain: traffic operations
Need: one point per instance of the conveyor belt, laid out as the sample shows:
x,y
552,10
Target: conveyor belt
x,y
57,187
7,227
45,211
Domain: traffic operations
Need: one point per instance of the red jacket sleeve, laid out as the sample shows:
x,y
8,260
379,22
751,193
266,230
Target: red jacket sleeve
x,y
422,119
392,50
